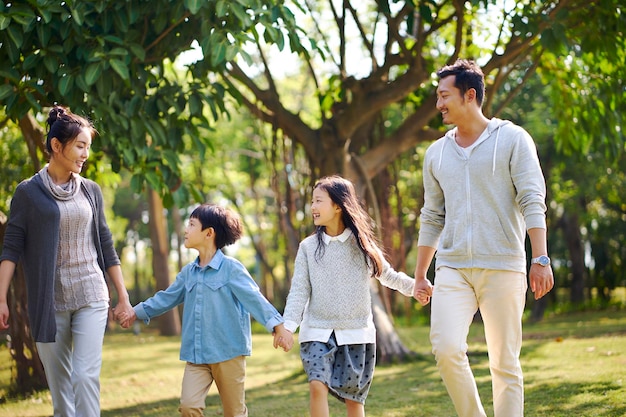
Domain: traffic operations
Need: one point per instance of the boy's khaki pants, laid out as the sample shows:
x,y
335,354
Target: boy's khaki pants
x,y
229,376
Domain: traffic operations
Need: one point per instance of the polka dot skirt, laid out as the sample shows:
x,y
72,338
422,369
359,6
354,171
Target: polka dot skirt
x,y
346,370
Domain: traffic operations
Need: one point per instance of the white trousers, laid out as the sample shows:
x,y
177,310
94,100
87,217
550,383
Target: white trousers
x,y
500,296
73,362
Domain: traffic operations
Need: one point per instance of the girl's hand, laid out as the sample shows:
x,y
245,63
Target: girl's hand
x,y
283,338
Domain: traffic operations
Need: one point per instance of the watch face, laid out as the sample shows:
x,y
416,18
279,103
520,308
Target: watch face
x,y
543,260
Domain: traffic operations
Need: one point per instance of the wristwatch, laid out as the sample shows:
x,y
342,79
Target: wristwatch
x,y
542,260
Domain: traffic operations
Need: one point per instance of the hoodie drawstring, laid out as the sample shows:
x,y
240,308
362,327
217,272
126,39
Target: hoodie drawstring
x,y
495,150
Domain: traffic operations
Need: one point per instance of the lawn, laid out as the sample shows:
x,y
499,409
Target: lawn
x,y
574,364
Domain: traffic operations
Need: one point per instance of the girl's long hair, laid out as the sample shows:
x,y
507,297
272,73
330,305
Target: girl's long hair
x,y
354,216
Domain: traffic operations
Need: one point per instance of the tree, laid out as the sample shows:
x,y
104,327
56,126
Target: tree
x,y
115,59
397,46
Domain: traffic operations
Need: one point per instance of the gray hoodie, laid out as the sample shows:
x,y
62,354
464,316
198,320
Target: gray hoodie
x,y
477,208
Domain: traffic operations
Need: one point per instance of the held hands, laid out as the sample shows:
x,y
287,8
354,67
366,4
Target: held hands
x,y
283,338
124,314
422,291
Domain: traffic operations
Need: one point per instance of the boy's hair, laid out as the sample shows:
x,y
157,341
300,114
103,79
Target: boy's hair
x,y
225,222
467,75
354,216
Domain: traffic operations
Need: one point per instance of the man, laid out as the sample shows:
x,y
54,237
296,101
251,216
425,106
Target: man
x,y
484,190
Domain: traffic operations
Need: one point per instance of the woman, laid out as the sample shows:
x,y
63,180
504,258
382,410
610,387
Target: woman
x,y
58,229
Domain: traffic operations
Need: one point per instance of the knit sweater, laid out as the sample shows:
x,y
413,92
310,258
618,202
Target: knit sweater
x,y
477,208
32,235
334,291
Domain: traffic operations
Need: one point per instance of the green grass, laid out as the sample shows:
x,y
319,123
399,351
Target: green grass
x,y
574,365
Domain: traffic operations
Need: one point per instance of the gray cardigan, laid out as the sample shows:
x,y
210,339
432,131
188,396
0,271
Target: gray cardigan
x,y
32,235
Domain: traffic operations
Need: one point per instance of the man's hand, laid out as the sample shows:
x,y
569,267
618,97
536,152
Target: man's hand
x,y
423,290
541,280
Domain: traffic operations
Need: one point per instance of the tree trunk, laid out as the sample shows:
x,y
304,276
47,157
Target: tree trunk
x,y
169,323
29,375
389,347
571,231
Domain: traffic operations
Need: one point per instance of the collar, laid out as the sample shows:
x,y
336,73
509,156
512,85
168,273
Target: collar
x,y
215,262
342,237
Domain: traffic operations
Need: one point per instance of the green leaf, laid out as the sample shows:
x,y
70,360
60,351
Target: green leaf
x,y
114,39
194,6
195,105
93,72
16,36
153,179
138,51
121,68
136,183
4,21
51,63
78,18
5,91
65,84
118,52
11,73
31,61
43,33
218,52
241,14
221,8
80,82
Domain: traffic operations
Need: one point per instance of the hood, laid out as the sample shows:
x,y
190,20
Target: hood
x,y
494,125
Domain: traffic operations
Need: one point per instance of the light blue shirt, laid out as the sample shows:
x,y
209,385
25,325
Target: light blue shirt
x,y
218,301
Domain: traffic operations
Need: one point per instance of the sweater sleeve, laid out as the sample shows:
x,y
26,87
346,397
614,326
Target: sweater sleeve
x,y
300,291
396,280
15,233
432,215
529,182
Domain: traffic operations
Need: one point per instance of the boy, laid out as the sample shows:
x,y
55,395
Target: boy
x,y
218,295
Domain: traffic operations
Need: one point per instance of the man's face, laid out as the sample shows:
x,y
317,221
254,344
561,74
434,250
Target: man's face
x,y
450,102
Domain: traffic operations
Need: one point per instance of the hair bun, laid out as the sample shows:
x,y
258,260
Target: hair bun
x,y
55,113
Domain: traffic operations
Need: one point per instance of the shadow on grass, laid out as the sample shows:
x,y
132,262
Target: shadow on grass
x,y
563,399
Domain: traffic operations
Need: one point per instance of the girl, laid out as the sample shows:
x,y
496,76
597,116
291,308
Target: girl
x,y
58,229
330,298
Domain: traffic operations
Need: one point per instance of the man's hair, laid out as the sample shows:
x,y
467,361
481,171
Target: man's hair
x,y
467,75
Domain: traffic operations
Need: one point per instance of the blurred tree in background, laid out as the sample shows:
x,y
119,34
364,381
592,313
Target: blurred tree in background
x,y
353,93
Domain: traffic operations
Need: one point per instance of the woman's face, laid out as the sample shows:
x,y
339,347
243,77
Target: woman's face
x,y
74,154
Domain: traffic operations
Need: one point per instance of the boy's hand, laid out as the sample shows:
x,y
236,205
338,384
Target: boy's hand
x,y
283,338
124,315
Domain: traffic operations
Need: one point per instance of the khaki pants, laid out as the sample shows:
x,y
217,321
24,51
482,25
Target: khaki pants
x,y
500,296
229,376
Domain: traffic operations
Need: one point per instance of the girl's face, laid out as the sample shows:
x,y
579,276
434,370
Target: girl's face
x,y
74,154
194,235
325,212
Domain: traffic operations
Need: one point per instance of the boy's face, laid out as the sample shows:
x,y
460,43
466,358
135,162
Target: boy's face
x,y
194,235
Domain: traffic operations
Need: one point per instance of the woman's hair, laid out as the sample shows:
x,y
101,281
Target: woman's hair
x,y
225,222
354,216
468,75
65,126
